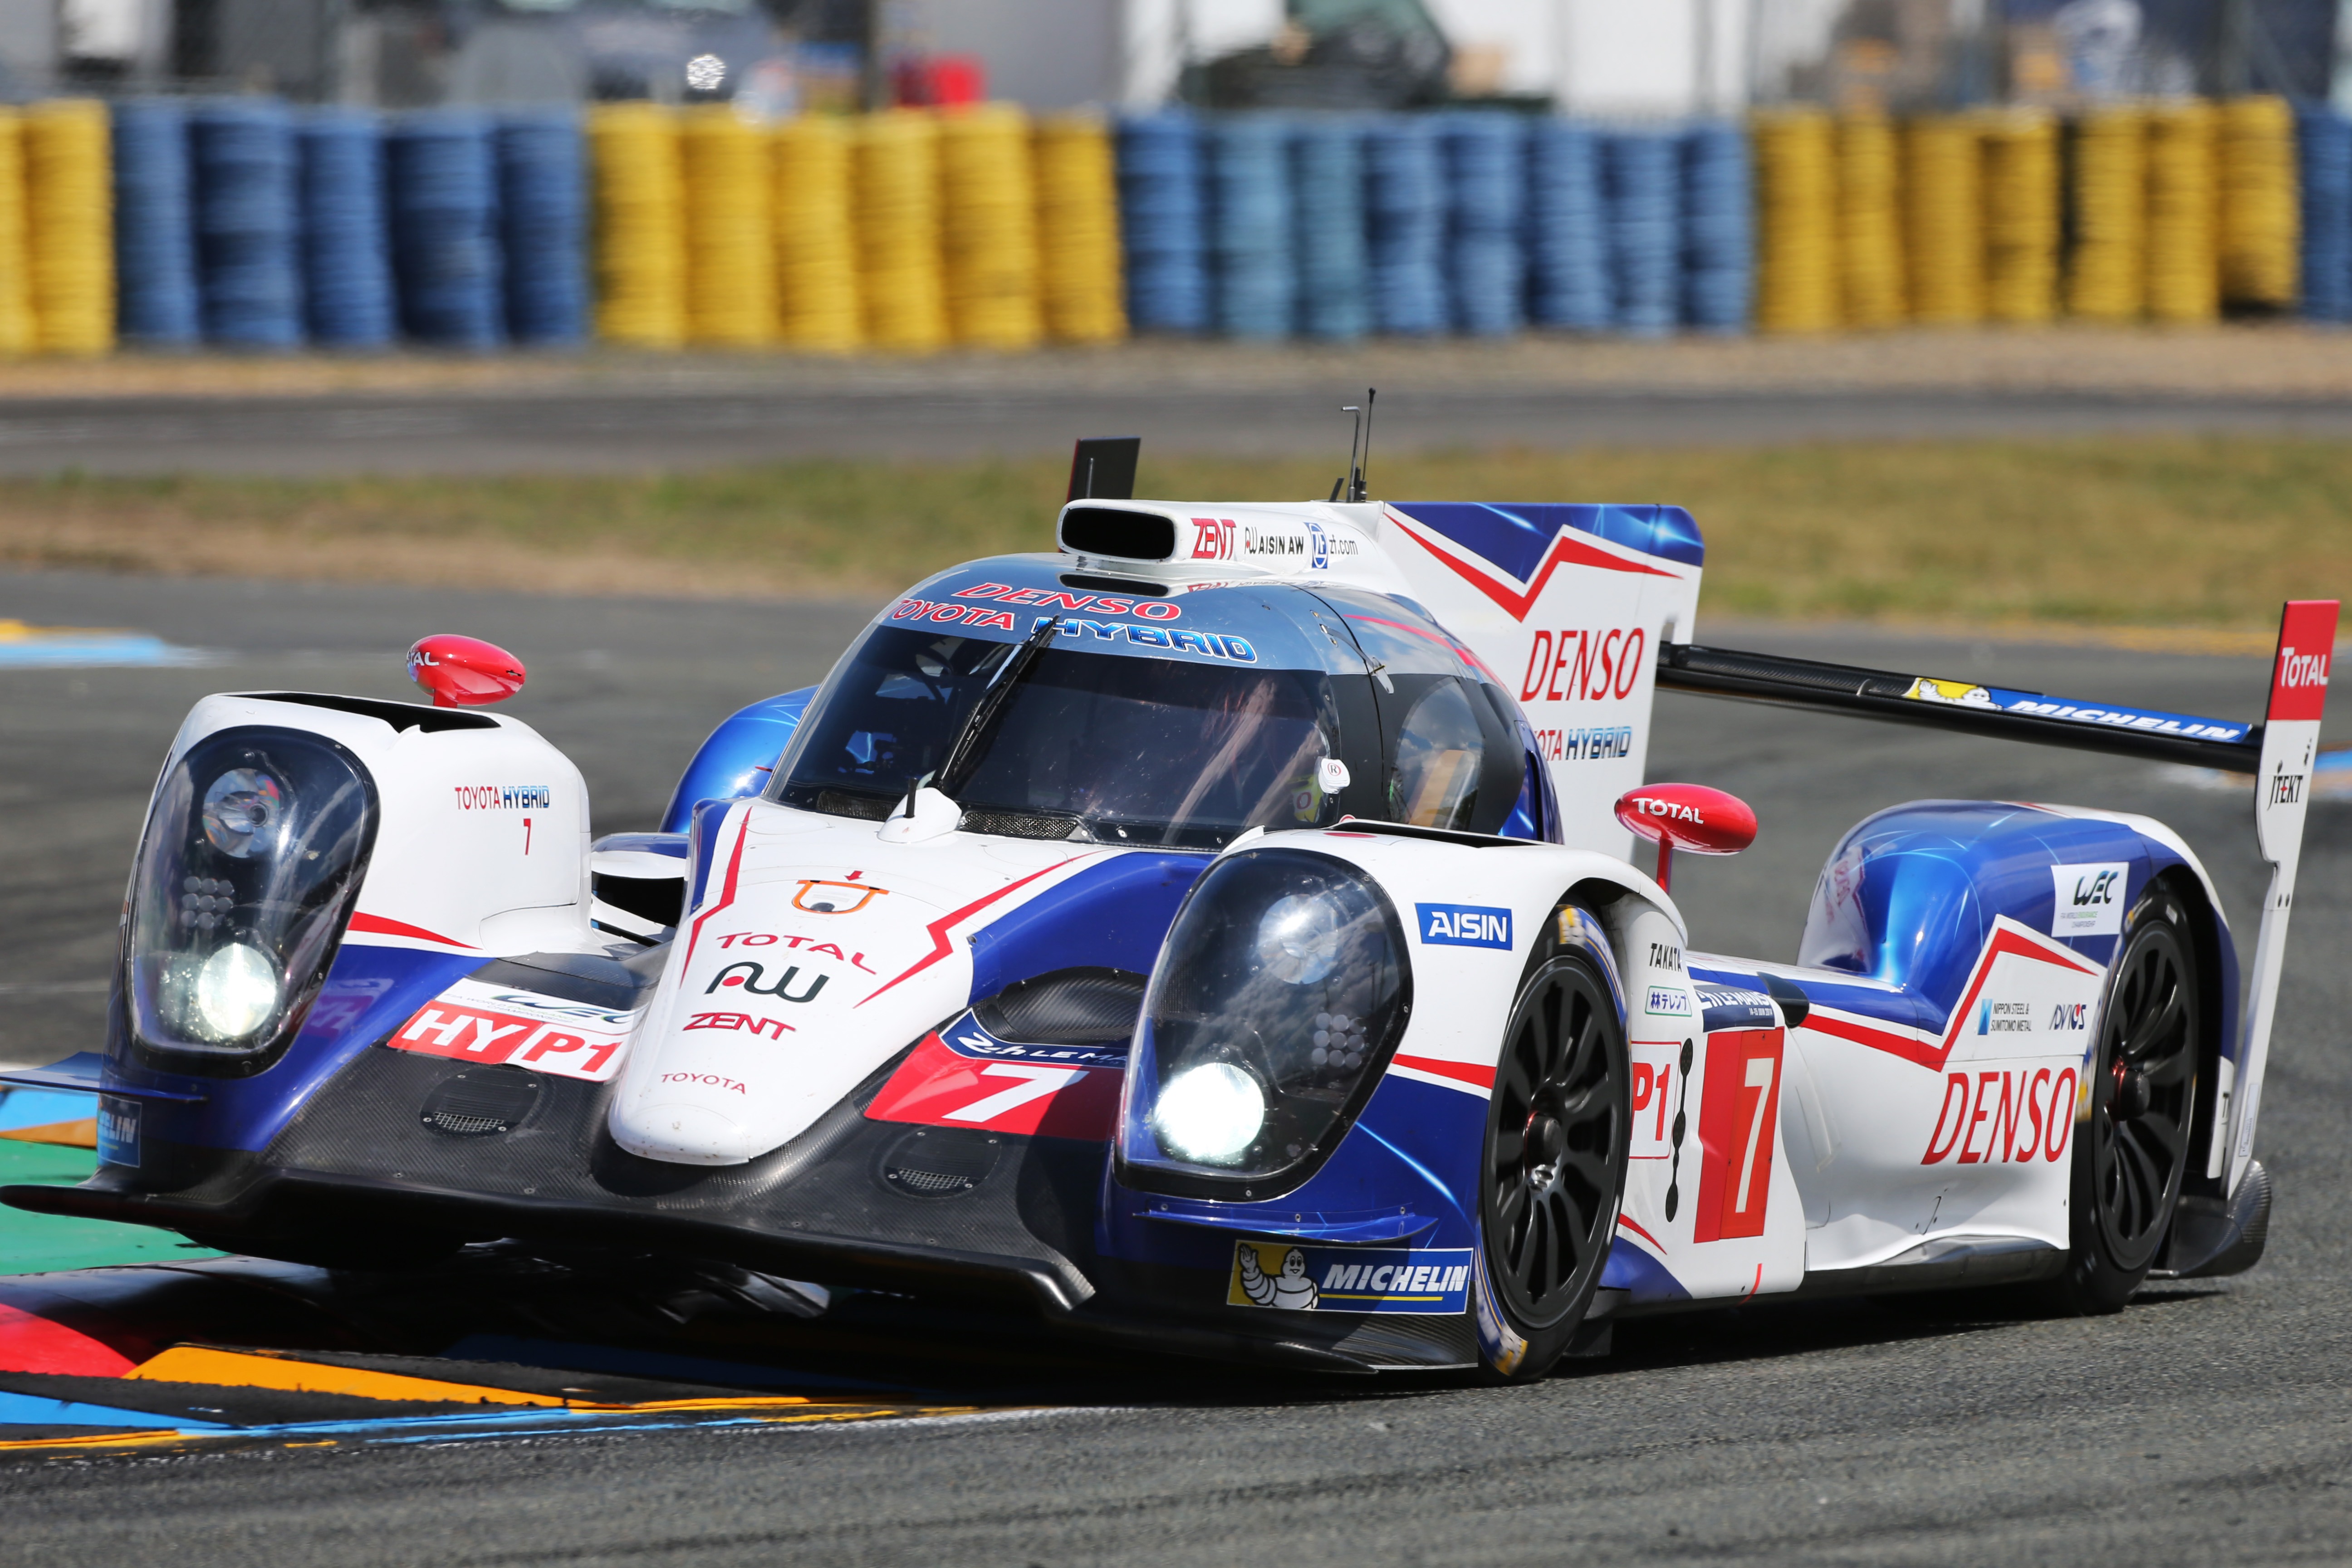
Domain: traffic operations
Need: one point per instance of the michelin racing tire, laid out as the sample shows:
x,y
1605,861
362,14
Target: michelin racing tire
x,y
1559,1129
2131,1143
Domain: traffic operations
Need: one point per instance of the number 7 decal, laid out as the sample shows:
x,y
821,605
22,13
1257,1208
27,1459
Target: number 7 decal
x,y
1036,1083
1739,1123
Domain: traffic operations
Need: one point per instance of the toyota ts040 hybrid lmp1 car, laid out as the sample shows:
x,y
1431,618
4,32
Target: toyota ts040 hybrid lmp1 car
x,y
1221,932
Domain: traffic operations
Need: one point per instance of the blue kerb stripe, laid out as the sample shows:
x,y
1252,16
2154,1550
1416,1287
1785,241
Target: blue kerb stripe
x,y
1514,535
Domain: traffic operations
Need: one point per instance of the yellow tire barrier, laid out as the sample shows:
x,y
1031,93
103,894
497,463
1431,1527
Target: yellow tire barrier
x,y
730,254
898,208
16,332
816,242
1797,213
2183,262
1943,234
69,224
2021,216
1870,221
988,225
2107,272
1080,270
639,225
2261,230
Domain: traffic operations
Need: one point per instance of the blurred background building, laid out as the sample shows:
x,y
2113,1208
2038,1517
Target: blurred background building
x,y
1662,57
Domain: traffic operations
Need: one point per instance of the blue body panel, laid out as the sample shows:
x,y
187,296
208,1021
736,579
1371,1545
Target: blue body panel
x,y
1114,914
1413,1154
739,758
1934,874
1516,536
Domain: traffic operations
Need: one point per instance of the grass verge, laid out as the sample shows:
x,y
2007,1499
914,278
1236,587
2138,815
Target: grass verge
x,y
2188,532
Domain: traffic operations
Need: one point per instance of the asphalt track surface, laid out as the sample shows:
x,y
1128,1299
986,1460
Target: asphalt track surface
x,y
630,429
2207,1422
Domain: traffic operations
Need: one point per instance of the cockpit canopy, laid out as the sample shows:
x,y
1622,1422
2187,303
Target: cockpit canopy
x,y
1162,720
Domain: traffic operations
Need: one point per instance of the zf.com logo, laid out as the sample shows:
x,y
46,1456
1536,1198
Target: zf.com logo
x,y
1464,925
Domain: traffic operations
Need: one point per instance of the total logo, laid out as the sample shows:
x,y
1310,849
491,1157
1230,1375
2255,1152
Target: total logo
x,y
798,943
2302,671
749,974
1672,810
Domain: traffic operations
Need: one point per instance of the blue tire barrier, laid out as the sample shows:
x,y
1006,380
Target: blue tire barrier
x,y
1405,221
442,182
1644,169
2323,141
542,203
1162,226
1486,183
1718,229
1567,240
241,153
1327,178
346,261
154,237
1250,220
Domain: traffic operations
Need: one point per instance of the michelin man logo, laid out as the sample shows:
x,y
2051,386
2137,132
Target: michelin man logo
x,y
1292,1289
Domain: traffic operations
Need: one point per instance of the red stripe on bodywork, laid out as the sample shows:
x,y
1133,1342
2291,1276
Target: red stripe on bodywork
x,y
1926,1053
1566,550
1461,1072
377,925
940,946
1644,1235
727,892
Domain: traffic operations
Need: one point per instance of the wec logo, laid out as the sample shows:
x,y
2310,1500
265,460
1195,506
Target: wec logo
x,y
1464,925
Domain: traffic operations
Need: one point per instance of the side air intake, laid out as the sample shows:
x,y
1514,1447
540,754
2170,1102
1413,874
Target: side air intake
x,y
1117,531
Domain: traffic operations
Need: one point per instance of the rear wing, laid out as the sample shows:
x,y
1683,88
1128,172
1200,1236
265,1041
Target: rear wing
x,y
2279,753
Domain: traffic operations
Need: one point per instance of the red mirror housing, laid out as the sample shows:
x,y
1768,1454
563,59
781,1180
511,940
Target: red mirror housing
x,y
464,672
1687,817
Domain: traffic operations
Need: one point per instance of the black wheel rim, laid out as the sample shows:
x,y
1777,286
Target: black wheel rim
x,y
2141,1095
1556,1147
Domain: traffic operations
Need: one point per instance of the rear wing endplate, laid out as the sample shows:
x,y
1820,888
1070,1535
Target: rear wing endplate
x,y
2279,753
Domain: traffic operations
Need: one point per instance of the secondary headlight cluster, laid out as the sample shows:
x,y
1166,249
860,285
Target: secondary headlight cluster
x,y
254,847
1282,990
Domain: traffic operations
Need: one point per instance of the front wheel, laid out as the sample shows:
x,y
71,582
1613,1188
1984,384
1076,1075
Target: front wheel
x,y
1557,1131
2132,1150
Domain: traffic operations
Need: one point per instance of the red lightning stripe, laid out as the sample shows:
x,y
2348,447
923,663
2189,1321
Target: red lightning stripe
x,y
1644,1235
377,925
727,894
1566,550
1461,1072
940,946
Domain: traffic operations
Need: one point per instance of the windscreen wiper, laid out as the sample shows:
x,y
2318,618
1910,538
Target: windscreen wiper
x,y
964,753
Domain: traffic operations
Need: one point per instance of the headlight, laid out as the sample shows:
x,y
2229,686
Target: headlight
x,y
1211,1113
1281,992
254,848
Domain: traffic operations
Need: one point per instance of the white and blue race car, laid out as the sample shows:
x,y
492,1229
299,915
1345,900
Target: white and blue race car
x,y
1221,931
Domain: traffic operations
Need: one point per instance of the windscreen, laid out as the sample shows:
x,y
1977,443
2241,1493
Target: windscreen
x,y
1114,748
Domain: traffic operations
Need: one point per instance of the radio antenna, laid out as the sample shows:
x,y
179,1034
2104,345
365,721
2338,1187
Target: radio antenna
x,y
1356,488
1345,486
